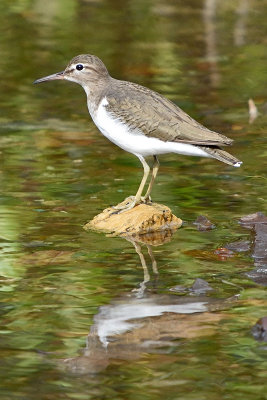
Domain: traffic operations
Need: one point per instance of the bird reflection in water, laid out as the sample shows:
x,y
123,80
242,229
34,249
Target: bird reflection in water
x,y
143,322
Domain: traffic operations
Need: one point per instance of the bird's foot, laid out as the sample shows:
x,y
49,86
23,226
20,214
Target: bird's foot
x,y
126,205
129,203
146,200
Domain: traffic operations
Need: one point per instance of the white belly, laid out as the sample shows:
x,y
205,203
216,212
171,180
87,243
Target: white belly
x,y
137,142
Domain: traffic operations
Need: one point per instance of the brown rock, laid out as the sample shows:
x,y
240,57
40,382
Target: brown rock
x,y
251,220
200,286
260,245
142,219
203,224
239,246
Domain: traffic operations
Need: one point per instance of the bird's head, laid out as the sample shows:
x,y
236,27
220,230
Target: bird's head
x,y
84,69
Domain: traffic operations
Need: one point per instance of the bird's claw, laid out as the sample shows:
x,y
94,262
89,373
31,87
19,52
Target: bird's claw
x,y
129,203
146,200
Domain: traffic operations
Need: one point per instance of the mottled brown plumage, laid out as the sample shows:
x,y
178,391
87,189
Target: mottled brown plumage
x,y
156,116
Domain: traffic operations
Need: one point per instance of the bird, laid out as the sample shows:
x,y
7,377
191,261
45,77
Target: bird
x,y
141,121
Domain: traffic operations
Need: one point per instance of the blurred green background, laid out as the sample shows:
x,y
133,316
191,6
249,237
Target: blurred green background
x,y
57,171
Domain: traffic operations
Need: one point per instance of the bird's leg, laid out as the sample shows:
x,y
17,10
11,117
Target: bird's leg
x,y
133,201
153,177
143,181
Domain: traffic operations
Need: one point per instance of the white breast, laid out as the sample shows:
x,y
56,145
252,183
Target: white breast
x,y
135,141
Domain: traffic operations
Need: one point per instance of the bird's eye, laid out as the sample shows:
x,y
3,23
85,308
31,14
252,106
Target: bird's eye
x,y
79,67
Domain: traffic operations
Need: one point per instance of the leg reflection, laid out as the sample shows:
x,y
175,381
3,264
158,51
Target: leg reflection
x,y
149,240
142,287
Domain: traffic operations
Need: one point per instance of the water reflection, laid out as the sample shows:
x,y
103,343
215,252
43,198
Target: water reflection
x,y
142,321
57,173
130,327
241,22
149,240
209,18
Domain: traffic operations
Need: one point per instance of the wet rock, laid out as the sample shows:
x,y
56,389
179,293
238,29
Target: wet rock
x,y
239,246
200,286
142,219
203,223
258,222
260,246
259,330
251,220
258,275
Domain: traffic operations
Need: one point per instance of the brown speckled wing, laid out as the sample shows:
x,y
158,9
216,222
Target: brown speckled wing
x,y
155,116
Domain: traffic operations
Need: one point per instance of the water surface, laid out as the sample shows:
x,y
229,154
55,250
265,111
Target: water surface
x,y
78,318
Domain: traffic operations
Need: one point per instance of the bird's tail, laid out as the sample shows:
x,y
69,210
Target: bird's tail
x,y
223,156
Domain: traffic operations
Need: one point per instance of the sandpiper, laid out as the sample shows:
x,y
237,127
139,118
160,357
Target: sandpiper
x,y
140,120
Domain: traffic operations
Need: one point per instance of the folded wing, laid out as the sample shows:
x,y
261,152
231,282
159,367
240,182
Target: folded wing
x,y
153,115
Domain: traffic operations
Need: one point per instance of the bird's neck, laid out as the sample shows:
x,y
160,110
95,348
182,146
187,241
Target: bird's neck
x,y
95,91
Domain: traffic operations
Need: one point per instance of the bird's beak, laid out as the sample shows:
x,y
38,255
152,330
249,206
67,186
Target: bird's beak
x,y
58,75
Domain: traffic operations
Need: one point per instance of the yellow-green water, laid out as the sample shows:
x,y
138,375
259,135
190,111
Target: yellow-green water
x,y
57,172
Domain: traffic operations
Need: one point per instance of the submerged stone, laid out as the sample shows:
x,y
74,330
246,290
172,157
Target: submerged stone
x,y
203,223
239,246
200,286
249,221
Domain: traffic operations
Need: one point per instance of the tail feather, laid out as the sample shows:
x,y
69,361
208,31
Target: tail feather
x,y
223,156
